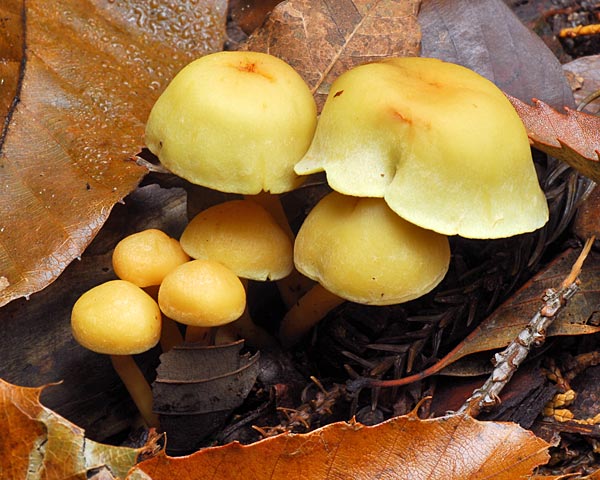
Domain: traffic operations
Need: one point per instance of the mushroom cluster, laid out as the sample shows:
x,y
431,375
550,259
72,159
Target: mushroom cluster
x,y
237,122
431,147
414,149
157,282
442,147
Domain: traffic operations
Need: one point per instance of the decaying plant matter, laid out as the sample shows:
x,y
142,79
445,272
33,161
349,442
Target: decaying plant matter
x,y
534,335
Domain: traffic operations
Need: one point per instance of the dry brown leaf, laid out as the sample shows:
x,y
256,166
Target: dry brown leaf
x,y
451,447
78,81
322,39
584,77
196,389
35,439
573,137
487,37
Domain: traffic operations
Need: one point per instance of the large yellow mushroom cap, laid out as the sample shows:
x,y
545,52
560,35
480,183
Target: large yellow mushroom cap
x,y
235,122
116,318
242,236
360,250
439,142
202,293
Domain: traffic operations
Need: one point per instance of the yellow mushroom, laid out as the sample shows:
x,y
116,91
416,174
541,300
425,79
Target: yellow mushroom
x,y
144,259
359,250
244,237
119,319
441,144
202,294
234,122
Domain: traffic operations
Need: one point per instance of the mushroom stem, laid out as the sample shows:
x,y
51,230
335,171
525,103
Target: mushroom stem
x,y
253,334
169,332
136,385
170,335
200,335
292,287
272,204
306,313
244,327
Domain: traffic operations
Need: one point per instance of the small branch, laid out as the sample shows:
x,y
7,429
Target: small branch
x,y
152,167
507,362
579,31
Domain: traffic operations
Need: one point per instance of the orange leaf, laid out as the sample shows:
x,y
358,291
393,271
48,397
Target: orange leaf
x,y
35,439
573,137
451,447
81,78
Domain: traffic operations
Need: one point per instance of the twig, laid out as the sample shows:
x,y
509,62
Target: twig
x,y
533,335
152,167
580,30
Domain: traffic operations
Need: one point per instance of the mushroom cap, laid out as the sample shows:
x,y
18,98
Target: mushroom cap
x,y
360,250
244,237
442,145
116,318
235,122
202,293
144,258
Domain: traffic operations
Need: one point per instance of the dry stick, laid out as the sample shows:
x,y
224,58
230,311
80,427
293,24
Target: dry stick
x,y
533,335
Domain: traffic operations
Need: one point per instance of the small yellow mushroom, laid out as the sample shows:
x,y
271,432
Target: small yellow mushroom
x,y
144,258
119,319
202,294
358,249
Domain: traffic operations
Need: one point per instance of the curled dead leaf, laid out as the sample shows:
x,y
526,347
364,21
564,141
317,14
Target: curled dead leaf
x,y
35,439
196,389
572,136
450,447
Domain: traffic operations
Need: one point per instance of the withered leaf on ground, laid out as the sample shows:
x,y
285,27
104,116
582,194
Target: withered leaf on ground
x,y
78,81
322,39
451,447
585,81
573,137
500,328
197,388
487,37
585,72
35,439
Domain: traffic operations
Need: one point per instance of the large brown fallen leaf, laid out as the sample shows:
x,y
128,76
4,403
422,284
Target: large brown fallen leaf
x,y
37,443
451,447
486,36
322,39
77,80
573,137
500,328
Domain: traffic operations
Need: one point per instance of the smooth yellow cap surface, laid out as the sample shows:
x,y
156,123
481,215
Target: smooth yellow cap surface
x,y
362,251
439,142
243,236
235,122
144,258
116,318
202,293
